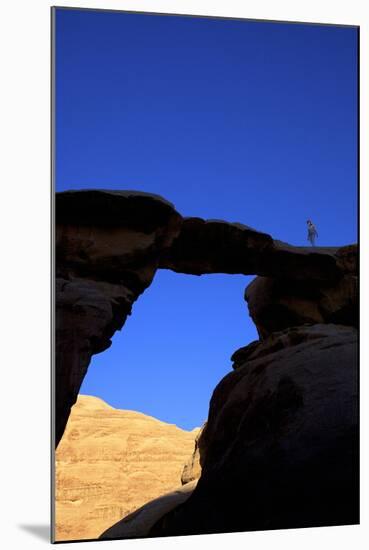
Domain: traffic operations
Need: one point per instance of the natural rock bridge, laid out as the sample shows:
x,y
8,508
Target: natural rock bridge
x,y
282,430
109,245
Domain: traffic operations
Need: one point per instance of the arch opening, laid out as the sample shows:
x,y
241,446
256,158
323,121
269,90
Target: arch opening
x,y
174,348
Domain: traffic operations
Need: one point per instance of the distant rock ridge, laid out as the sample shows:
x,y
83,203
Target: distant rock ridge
x,y
110,462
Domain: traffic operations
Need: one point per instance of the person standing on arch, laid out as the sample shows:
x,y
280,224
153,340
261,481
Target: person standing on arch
x,y
312,232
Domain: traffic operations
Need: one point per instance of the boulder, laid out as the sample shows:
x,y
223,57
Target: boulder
x,y
276,303
281,439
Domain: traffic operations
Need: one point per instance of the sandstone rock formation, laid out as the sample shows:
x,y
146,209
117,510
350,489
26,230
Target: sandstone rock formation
x,y
281,439
110,462
110,243
275,304
139,523
280,448
192,468
107,251
215,246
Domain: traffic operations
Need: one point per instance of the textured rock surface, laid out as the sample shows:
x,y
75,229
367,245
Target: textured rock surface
x,y
108,245
192,468
110,462
281,439
139,523
215,246
278,303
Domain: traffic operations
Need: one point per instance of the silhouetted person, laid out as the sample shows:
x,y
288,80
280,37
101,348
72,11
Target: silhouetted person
x,y
312,232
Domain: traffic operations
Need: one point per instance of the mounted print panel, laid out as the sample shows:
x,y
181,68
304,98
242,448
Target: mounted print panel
x,y
205,374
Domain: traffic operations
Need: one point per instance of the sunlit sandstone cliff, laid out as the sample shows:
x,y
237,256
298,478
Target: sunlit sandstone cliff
x,y
110,462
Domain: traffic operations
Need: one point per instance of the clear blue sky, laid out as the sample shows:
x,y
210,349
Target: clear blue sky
x,y
243,121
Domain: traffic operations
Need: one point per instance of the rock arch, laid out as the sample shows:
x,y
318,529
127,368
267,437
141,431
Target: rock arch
x,y
109,244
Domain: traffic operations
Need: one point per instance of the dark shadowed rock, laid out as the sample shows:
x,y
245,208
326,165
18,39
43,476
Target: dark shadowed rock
x,y
347,259
287,340
108,246
277,303
115,236
301,263
214,246
88,313
281,439
113,208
